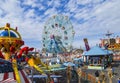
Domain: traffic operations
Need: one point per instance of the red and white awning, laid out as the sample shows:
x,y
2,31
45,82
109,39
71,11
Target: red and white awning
x,y
10,77
9,80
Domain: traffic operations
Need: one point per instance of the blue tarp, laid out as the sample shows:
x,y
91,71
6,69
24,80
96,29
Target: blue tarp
x,y
97,51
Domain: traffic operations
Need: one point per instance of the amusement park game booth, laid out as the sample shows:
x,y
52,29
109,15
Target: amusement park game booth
x,y
98,58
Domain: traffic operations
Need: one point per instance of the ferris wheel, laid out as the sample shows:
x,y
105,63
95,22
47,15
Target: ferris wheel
x,y
58,34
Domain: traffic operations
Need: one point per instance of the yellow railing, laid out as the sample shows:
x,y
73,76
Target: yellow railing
x,y
8,39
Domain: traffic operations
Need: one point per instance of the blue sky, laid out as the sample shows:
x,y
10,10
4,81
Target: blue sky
x,y
90,18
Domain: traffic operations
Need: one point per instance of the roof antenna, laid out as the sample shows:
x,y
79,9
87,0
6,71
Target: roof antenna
x,y
108,34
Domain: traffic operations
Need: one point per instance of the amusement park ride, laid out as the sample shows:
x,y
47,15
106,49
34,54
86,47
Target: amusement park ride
x,y
112,43
11,53
58,35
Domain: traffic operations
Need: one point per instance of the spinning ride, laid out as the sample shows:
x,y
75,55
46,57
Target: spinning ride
x,y
9,38
10,43
58,34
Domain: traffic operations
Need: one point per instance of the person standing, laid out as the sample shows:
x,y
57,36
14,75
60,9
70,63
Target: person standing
x,y
102,76
68,74
118,80
55,80
97,76
110,74
79,72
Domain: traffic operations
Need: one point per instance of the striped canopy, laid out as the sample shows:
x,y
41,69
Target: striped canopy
x,y
10,77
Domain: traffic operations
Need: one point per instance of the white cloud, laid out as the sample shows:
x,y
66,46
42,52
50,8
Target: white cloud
x,y
103,17
30,13
51,11
97,17
29,28
71,6
56,3
108,15
30,3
